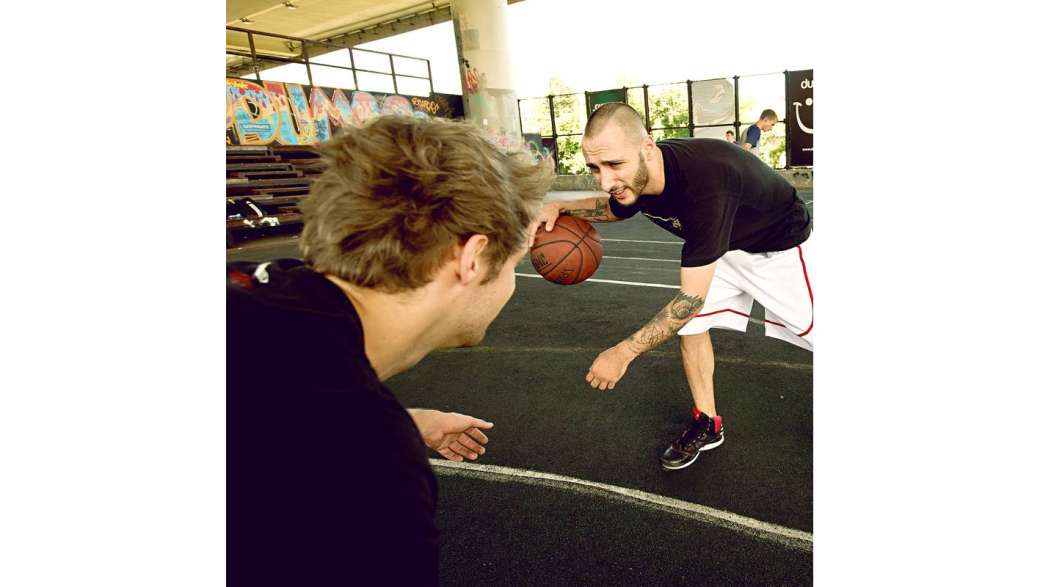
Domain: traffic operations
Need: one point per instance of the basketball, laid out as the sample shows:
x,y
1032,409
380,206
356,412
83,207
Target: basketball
x,y
569,254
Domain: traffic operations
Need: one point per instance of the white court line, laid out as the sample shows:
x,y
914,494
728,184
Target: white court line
x,y
592,351
788,537
625,240
612,281
642,259
751,319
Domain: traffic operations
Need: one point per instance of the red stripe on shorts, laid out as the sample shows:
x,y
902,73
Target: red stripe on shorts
x,y
808,285
740,313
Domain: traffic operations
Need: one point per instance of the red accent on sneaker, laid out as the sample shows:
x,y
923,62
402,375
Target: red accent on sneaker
x,y
718,424
696,413
241,279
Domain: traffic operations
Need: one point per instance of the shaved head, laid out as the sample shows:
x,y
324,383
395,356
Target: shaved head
x,y
617,151
617,114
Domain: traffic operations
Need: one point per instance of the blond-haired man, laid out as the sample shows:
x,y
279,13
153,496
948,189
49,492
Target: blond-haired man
x,y
410,240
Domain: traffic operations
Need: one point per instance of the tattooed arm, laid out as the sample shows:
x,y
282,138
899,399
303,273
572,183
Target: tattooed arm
x,y
612,363
591,209
666,323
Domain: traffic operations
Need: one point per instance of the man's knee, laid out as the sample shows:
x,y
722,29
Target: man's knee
x,y
692,342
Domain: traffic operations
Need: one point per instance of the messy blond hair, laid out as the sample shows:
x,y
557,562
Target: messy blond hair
x,y
399,193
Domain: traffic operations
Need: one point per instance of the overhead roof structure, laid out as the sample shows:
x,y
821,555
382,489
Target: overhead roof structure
x,y
345,23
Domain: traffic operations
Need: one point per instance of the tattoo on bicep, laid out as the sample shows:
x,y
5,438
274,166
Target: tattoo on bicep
x,y
684,306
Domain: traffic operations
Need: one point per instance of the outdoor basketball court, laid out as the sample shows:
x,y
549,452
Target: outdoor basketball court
x,y
570,490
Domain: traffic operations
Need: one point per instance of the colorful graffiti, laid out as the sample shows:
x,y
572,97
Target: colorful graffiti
x,y
540,147
493,110
294,114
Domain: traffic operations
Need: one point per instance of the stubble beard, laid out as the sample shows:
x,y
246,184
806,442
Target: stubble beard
x,y
639,182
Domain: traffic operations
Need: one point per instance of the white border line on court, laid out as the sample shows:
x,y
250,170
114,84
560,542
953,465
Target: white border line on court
x,y
611,281
625,240
595,350
789,537
643,259
752,319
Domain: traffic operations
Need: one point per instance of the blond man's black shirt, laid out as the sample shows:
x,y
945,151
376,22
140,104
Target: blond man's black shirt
x,y
328,481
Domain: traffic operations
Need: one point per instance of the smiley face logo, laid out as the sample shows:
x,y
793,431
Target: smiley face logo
x,y
798,110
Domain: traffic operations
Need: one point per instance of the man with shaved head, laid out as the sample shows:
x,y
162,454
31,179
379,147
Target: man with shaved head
x,y
745,234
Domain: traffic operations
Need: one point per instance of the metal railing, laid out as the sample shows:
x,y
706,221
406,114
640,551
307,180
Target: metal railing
x,y
684,117
248,53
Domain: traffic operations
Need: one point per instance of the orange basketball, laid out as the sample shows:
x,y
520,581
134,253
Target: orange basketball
x,y
569,254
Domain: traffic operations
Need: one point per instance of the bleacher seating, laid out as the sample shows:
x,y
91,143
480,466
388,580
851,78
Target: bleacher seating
x,y
264,188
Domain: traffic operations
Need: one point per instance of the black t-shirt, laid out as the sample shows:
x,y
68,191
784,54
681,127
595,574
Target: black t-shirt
x,y
718,197
328,481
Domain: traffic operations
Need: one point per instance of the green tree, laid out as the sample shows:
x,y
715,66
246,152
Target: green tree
x,y
569,108
669,107
773,147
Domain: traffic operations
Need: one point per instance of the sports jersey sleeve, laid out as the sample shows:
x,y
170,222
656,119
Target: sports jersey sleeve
x,y
753,134
709,228
621,211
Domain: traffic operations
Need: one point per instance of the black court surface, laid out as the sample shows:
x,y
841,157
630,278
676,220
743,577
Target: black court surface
x,y
570,491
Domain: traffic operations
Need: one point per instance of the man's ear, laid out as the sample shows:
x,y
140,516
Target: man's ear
x,y
648,144
469,263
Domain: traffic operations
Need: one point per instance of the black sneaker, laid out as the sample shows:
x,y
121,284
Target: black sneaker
x,y
704,433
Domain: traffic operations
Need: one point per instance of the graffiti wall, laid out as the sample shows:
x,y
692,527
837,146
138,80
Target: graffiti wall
x,y
264,113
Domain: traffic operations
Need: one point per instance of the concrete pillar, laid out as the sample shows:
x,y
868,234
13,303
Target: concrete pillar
x,y
488,92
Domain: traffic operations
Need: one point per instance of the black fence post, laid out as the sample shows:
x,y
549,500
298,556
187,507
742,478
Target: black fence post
x,y
429,75
646,107
552,122
353,67
307,63
689,103
787,127
736,105
393,74
252,51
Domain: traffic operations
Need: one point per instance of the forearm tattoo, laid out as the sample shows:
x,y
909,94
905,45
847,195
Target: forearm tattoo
x,y
599,212
666,322
684,306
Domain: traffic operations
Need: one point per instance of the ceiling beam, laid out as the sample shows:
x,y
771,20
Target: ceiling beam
x,y
391,28
436,14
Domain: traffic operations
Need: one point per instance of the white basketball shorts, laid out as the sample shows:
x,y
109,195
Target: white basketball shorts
x,y
779,281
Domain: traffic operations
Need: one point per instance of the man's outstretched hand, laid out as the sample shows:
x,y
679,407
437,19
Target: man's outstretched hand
x,y
609,367
454,436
